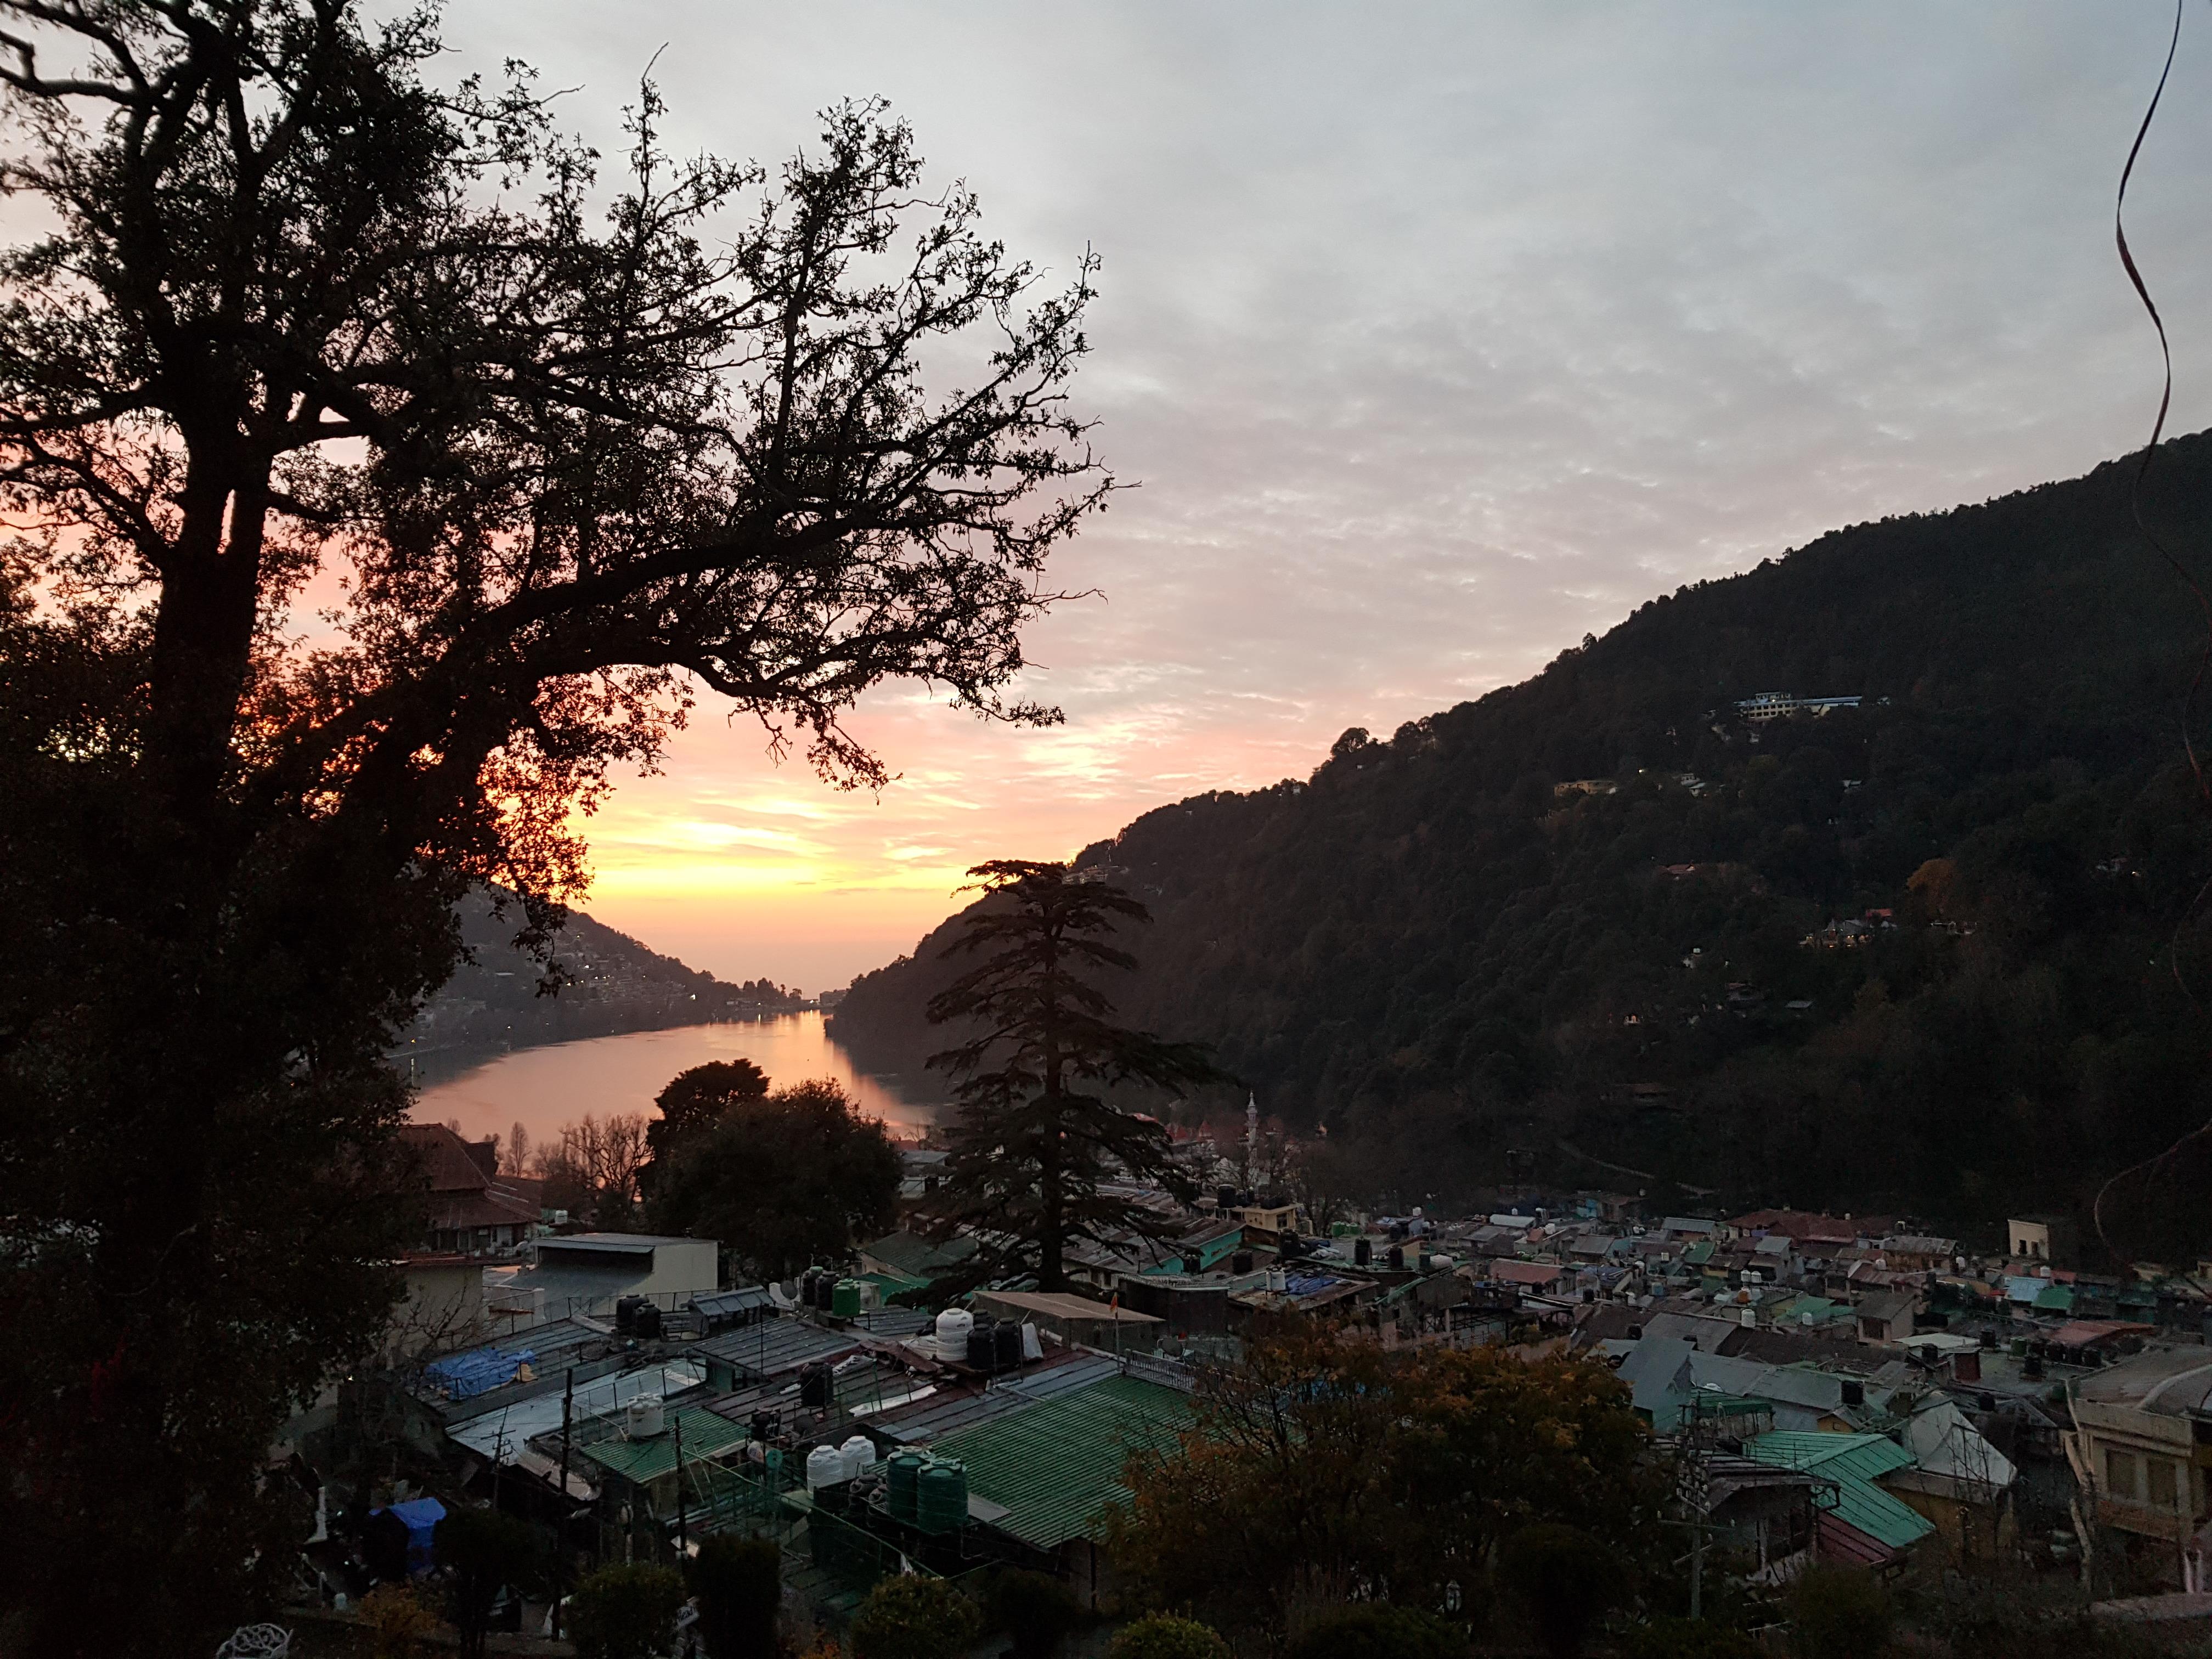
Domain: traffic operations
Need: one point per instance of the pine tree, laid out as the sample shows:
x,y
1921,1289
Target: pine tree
x,y
1036,1142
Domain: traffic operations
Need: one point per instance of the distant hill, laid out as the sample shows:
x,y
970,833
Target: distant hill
x,y
1605,914
492,1001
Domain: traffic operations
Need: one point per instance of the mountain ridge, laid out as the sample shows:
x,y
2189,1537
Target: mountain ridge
x,y
1469,938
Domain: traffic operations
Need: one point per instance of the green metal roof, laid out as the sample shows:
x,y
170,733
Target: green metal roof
x,y
2055,1298
1055,1466
1699,1253
644,1460
1853,1461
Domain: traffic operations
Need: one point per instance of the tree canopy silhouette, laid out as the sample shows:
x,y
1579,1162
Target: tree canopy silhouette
x,y
1033,1146
297,330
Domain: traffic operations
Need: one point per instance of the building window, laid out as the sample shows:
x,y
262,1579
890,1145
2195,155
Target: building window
x,y
2161,1470
2119,1474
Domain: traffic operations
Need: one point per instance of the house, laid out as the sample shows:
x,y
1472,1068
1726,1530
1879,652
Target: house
x,y
1866,1526
471,1212
442,1308
587,1273
2142,1435
1076,1320
912,1261
1542,1277
1959,1480
1689,1227
1886,1317
1919,1253
2042,1238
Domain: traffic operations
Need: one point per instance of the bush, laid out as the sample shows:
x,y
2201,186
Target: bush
x,y
1035,1610
1375,1630
1565,1578
483,1552
1838,1612
398,1622
739,1585
625,1611
1162,1636
1689,1638
911,1617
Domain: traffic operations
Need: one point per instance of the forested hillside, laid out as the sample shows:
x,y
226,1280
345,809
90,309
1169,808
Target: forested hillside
x,y
1454,941
614,984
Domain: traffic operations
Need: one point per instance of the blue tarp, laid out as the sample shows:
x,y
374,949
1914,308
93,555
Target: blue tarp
x,y
420,1516
464,1375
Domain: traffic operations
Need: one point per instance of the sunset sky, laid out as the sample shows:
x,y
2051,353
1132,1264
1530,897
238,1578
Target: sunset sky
x,y
1435,337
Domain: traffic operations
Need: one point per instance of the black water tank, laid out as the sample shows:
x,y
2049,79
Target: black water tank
x,y
626,1309
647,1318
1361,1253
1395,1260
1193,1262
1636,1332
809,1286
1854,1392
816,1388
1241,1262
1988,1339
1006,1338
1225,1198
983,1343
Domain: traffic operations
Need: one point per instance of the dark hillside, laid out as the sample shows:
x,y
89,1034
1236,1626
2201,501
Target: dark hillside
x,y
1455,940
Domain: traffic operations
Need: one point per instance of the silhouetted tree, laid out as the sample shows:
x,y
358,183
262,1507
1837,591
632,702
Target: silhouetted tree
x,y
280,313
793,1177
1032,1147
694,1101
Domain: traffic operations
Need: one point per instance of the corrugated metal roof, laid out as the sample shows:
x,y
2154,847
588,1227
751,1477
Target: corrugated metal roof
x,y
1050,1382
775,1346
1055,1466
1853,1461
724,1305
505,1432
928,1420
644,1460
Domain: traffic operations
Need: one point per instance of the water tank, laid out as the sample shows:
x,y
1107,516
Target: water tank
x,y
1278,1280
1396,1260
1854,1392
952,1328
810,1288
858,1453
817,1389
647,1320
982,1343
626,1309
1225,1198
1240,1262
644,1418
1443,1262
902,1482
845,1298
1006,1341
1748,1318
1031,1348
825,1466
1361,1253
941,1502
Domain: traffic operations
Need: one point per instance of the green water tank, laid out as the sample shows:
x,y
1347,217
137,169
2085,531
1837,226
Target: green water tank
x,y
845,1300
902,1475
943,1502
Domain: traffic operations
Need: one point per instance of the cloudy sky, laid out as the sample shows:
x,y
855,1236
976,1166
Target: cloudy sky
x,y
1436,336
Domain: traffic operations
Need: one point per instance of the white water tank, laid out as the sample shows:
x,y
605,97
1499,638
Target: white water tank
x,y
1278,1280
1031,1348
858,1452
825,1466
953,1326
1748,1318
643,1417
1442,1261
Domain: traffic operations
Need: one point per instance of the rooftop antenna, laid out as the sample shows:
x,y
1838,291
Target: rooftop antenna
x,y
1252,1142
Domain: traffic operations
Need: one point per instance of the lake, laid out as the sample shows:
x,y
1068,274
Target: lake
x,y
543,1088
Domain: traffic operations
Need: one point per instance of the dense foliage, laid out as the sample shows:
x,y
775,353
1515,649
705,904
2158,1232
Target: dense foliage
x,y
1322,1468
626,1610
911,1617
379,477
694,1101
1440,947
738,1584
782,1180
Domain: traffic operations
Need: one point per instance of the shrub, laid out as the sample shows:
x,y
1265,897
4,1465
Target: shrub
x,y
483,1552
739,1585
398,1622
1838,1612
1375,1630
625,1611
1565,1578
1689,1638
1162,1636
1035,1610
911,1617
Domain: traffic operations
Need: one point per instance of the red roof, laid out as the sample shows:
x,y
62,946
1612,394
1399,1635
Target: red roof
x,y
1839,1540
1799,1224
446,1161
